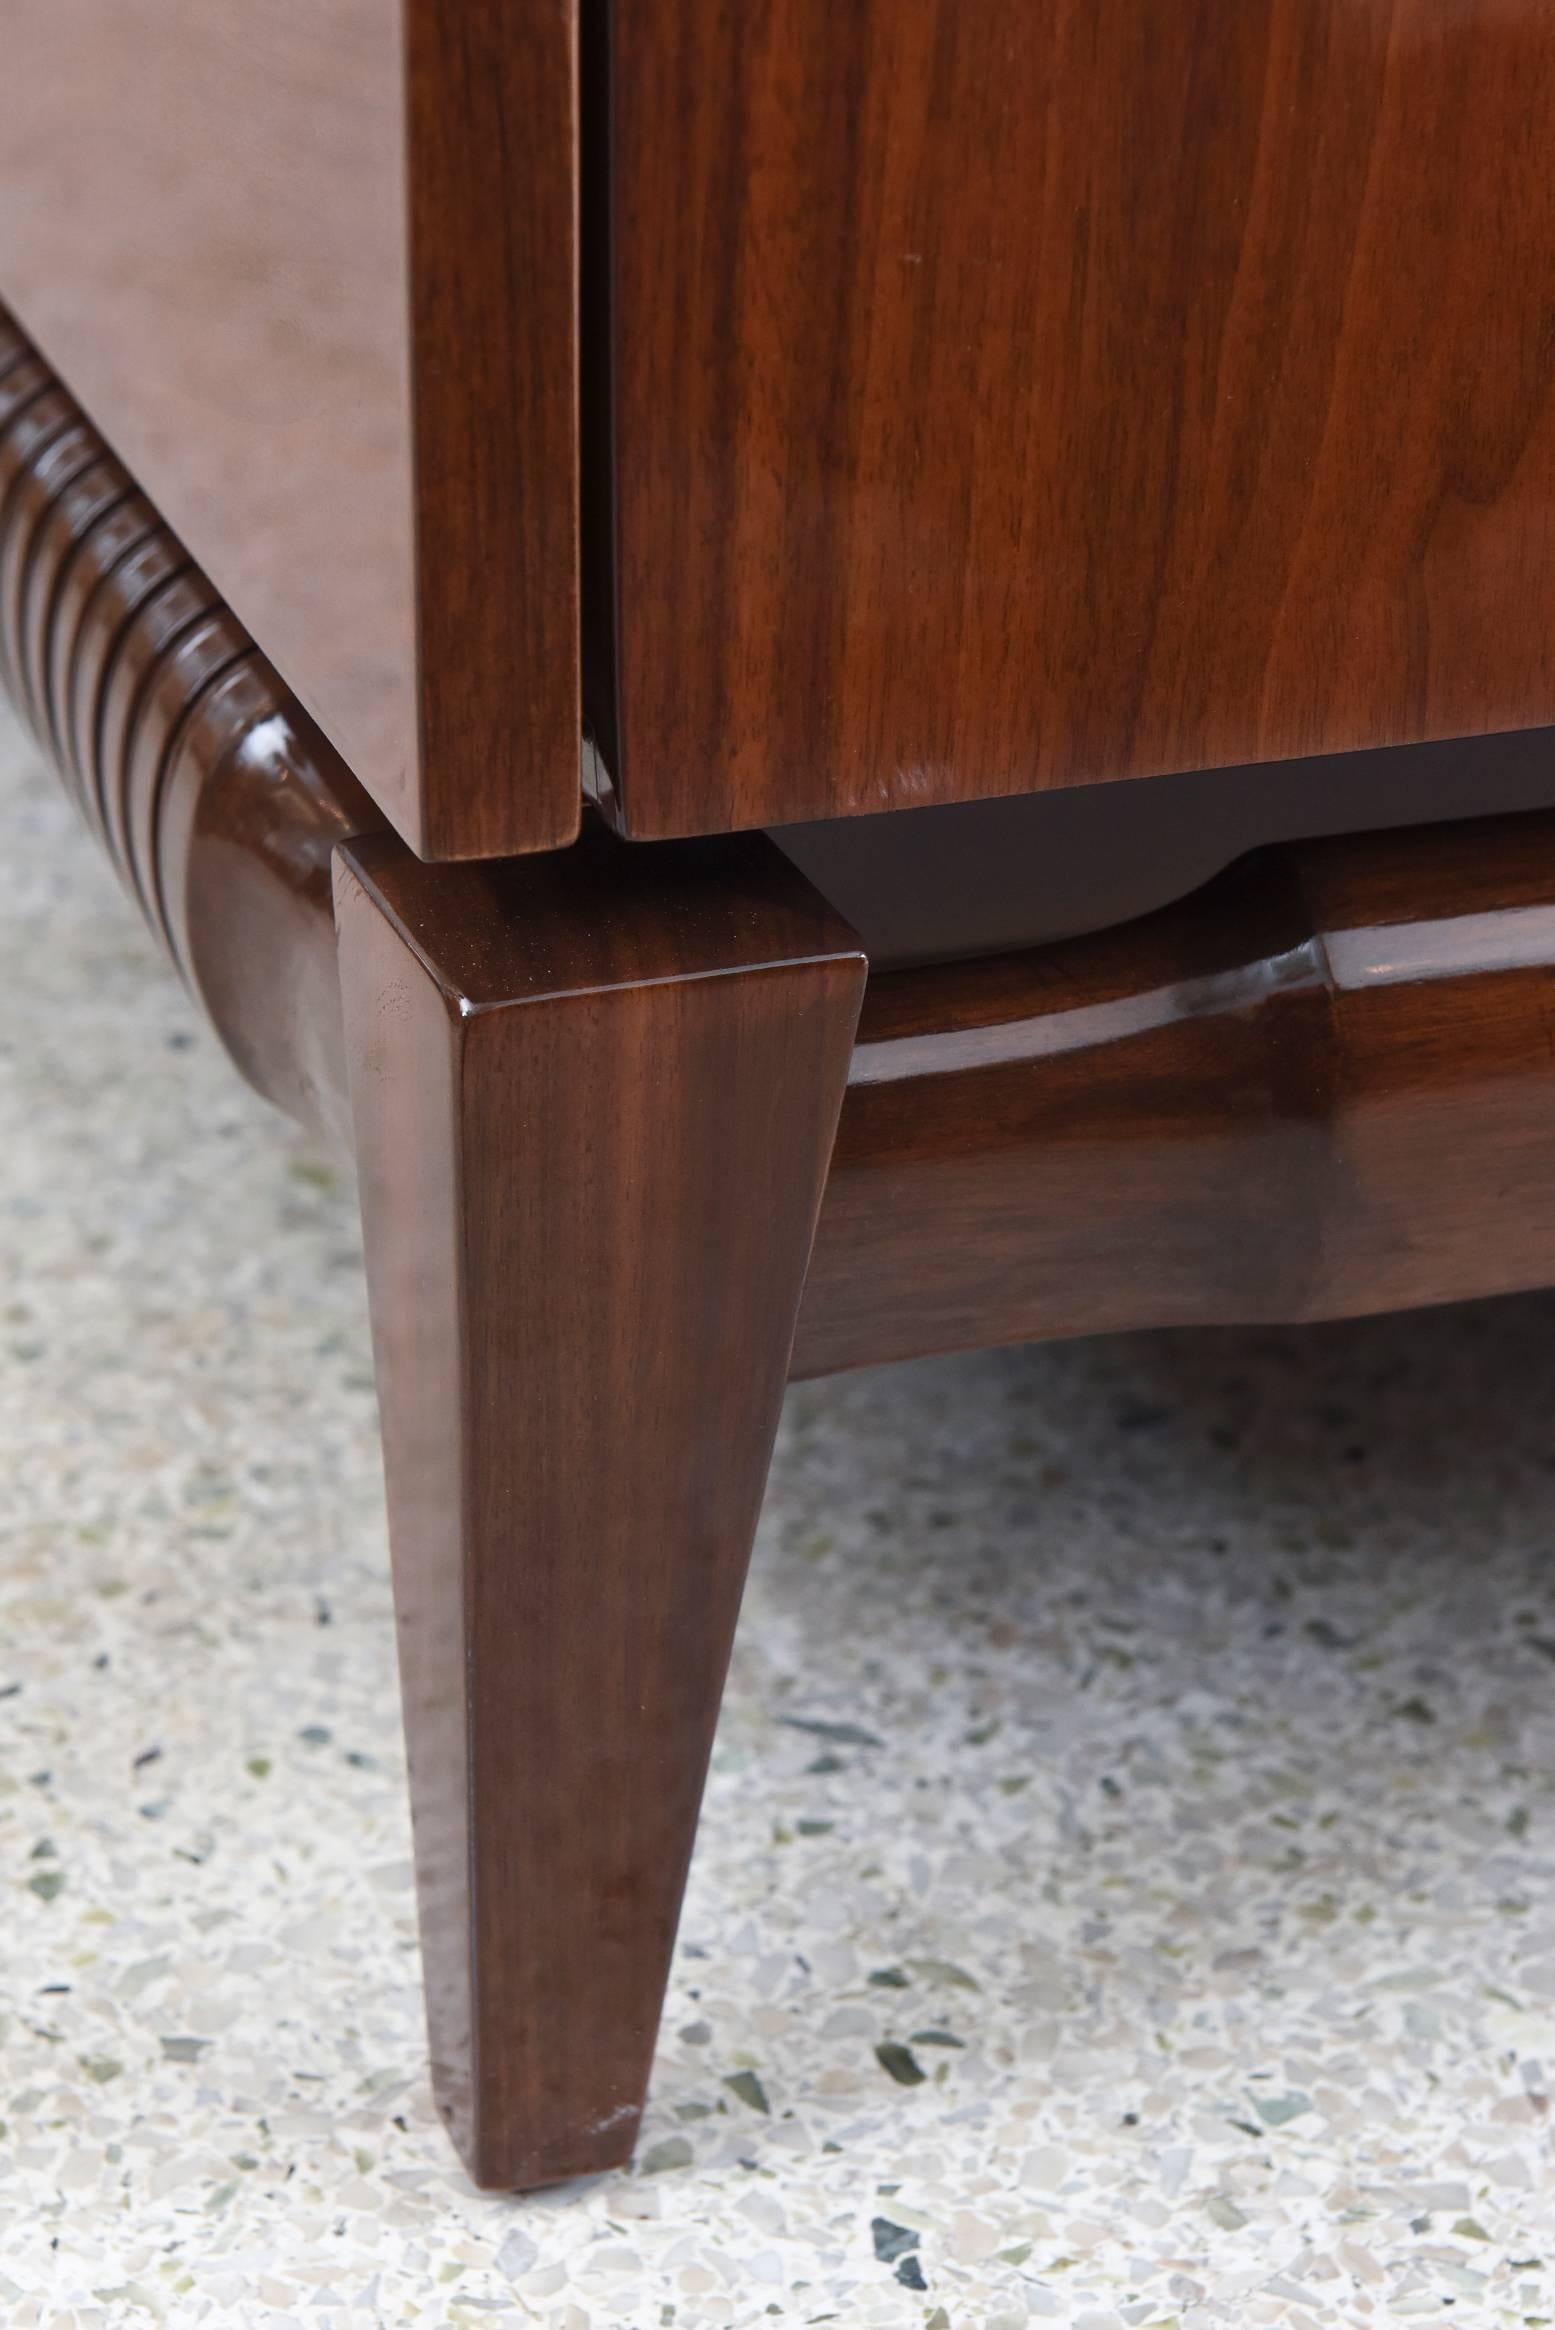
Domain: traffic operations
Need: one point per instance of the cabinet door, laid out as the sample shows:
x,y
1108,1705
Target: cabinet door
x,y
1018,393
310,267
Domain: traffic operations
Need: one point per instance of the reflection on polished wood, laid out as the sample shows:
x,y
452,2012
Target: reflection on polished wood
x,y
1284,1097
1029,393
311,270
1316,1087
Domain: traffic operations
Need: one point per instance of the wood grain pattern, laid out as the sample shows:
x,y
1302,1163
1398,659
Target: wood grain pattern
x,y
594,1096
1220,1111
1046,391
1318,1087
311,270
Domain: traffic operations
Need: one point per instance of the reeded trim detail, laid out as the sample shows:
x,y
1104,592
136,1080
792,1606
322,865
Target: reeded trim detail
x,y
214,796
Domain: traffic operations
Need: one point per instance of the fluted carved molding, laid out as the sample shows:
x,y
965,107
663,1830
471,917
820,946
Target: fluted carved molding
x,y
214,796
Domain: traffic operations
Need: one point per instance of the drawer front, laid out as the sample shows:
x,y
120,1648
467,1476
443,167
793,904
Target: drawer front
x,y
310,267
1015,393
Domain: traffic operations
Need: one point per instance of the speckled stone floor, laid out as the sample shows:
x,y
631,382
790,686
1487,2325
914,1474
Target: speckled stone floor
x,y
1125,1891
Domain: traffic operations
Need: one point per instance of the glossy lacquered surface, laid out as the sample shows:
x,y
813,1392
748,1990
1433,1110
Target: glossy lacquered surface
x,y
593,1097
1020,394
593,1109
311,270
1317,1087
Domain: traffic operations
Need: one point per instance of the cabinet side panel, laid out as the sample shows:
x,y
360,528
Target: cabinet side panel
x,y
205,224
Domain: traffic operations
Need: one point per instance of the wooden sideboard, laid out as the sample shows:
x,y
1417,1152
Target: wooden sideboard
x,y
727,476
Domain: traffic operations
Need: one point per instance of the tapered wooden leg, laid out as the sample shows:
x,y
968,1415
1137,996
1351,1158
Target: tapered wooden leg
x,y
594,1098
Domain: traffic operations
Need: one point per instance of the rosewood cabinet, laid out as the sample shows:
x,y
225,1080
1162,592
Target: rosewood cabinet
x,y
839,682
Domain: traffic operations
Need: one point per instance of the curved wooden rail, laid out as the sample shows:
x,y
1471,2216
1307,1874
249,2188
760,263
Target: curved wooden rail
x,y
1325,1083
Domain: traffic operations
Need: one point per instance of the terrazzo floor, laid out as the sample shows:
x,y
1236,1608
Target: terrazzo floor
x,y
1125,1891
